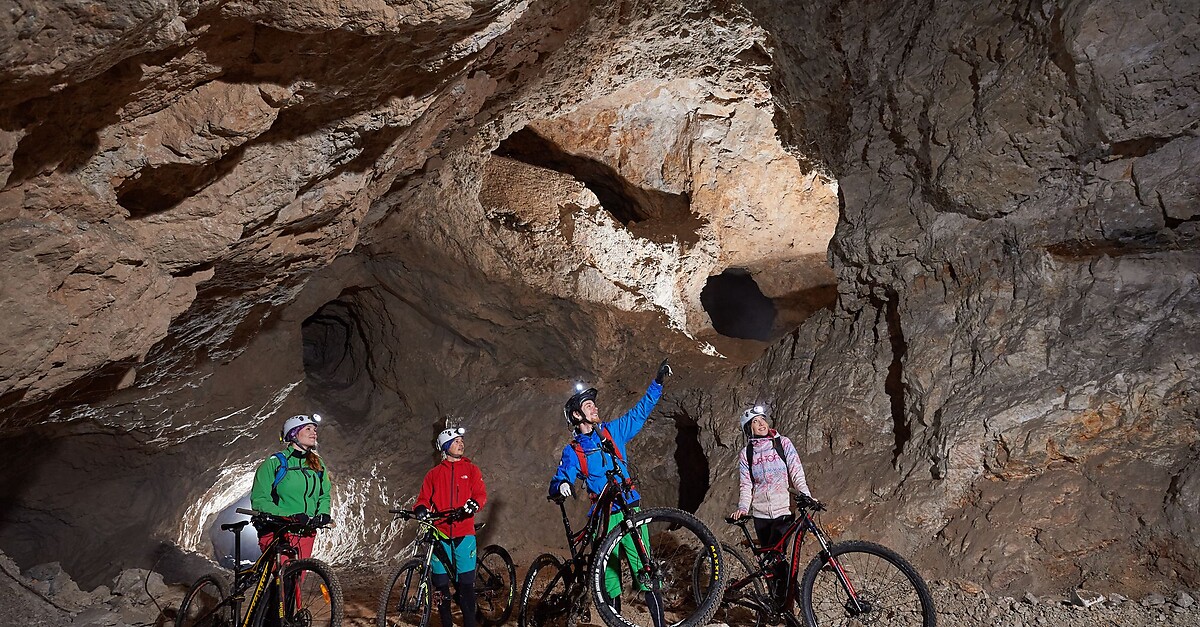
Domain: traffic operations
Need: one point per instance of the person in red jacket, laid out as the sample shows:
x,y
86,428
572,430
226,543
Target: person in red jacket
x,y
455,485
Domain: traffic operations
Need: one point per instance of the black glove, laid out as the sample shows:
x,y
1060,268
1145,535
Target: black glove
x,y
421,512
320,520
664,370
470,507
301,518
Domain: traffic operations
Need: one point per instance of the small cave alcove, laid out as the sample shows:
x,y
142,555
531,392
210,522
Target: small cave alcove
x,y
737,307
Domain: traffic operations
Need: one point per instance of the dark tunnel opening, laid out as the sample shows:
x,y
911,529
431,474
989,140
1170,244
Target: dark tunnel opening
x,y
335,349
737,307
691,462
337,360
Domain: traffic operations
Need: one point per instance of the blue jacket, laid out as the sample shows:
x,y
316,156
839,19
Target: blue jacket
x,y
622,431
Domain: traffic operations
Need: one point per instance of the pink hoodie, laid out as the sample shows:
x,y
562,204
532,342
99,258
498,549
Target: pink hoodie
x,y
764,488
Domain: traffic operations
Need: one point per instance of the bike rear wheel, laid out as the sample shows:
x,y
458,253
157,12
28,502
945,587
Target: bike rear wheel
x,y
201,606
545,595
887,588
312,595
651,557
745,592
408,598
495,586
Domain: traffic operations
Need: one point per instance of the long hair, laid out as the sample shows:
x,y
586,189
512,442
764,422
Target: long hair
x,y
314,460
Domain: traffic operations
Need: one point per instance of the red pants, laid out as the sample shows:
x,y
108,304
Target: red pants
x,y
303,544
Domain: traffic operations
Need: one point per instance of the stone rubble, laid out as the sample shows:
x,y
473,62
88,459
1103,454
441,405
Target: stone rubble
x,y
46,596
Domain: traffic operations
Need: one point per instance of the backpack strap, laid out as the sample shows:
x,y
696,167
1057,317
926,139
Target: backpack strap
x,y
279,473
583,465
777,441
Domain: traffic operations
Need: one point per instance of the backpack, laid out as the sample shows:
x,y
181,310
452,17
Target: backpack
x,y
280,472
777,441
604,435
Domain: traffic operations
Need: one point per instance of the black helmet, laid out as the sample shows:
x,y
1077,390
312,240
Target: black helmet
x,y
575,404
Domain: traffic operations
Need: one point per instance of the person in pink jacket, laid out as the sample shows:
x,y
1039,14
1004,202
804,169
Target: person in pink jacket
x,y
767,468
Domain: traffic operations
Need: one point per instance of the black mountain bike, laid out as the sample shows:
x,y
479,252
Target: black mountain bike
x,y
301,592
410,598
847,583
653,551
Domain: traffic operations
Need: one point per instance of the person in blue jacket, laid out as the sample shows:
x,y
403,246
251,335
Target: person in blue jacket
x,y
583,416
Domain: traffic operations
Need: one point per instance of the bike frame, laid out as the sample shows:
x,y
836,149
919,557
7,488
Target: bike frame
x,y
578,543
259,575
796,530
428,537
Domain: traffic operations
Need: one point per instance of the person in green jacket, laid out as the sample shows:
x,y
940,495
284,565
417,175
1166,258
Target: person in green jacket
x,y
301,491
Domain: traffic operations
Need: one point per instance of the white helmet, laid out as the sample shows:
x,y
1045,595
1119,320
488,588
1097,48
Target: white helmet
x,y
749,414
293,424
446,437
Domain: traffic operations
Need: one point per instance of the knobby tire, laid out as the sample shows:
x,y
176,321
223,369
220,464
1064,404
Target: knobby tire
x,y
890,589
405,601
745,598
495,586
545,597
677,540
200,606
312,594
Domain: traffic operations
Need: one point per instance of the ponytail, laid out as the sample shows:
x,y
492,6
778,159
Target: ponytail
x,y
314,461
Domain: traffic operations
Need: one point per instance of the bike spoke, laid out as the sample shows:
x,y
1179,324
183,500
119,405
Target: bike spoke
x,y
653,565
886,590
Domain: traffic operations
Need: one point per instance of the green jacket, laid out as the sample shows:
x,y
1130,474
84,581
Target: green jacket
x,y
302,490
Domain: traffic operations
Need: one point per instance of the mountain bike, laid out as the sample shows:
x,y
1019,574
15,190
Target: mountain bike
x,y
846,583
658,548
292,592
410,597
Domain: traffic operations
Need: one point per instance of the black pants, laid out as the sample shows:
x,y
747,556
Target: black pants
x,y
770,531
464,592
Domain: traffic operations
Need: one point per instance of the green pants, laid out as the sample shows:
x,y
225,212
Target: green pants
x,y
628,551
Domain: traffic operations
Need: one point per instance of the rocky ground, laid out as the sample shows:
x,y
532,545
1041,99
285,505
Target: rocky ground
x,y
45,596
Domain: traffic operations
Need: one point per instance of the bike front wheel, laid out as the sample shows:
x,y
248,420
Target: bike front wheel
x,y
863,583
312,595
545,594
201,606
407,600
645,566
495,586
744,602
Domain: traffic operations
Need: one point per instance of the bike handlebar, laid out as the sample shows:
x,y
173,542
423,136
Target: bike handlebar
x,y
408,514
285,523
804,501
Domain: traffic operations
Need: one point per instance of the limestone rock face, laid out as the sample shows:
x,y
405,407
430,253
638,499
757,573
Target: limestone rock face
x,y
1019,282
961,242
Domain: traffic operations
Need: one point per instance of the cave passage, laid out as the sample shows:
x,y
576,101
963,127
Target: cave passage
x,y
737,307
222,541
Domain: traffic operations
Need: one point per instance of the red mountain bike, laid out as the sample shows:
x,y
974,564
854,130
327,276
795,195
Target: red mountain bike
x,y
846,583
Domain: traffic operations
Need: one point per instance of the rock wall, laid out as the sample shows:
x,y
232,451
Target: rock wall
x,y
1010,369
218,214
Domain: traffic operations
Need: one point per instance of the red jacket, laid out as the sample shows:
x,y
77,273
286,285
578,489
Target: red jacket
x,y
448,486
